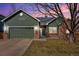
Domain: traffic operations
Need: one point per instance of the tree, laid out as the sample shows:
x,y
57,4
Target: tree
x,y
54,10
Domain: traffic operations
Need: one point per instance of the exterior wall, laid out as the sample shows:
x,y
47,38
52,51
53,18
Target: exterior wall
x,y
37,35
24,20
1,35
54,27
5,36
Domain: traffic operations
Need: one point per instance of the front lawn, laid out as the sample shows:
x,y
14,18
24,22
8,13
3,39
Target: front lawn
x,y
52,48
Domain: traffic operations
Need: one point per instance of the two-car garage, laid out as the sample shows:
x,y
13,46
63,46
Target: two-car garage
x,y
21,32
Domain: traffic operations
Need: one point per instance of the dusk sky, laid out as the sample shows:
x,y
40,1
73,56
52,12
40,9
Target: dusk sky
x,y
7,8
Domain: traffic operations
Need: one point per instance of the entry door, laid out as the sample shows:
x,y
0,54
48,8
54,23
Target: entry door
x,y
43,32
21,32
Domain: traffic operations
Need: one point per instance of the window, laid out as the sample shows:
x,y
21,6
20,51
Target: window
x,y
52,29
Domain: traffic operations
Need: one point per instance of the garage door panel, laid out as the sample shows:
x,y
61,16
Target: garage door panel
x,y
21,32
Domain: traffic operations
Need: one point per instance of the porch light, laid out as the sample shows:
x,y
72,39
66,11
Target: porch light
x,y
36,28
5,28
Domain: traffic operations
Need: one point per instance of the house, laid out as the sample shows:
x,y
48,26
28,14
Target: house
x,y
21,25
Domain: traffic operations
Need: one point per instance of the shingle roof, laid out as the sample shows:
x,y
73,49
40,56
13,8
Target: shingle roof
x,y
44,20
48,20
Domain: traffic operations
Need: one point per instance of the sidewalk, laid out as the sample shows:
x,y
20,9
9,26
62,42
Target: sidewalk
x,y
14,47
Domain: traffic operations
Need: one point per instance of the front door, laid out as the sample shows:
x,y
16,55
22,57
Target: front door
x,y
43,32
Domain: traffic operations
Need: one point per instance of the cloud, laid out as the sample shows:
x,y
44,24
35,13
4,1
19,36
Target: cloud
x,y
65,11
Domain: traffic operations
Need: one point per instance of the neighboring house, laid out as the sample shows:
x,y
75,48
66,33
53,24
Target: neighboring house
x,y
1,23
21,25
1,26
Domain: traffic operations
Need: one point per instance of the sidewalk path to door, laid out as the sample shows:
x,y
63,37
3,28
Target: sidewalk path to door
x,y
15,47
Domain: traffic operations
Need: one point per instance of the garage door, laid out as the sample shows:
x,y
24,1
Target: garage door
x,y
21,32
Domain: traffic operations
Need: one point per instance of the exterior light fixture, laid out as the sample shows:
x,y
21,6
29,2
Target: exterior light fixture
x,y
21,14
36,28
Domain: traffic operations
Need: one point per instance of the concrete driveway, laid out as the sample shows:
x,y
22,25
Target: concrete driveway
x,y
15,47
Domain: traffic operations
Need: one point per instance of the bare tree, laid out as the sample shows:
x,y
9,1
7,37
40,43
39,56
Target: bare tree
x,y
54,10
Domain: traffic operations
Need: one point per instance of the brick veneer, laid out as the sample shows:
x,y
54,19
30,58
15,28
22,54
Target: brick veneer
x,y
1,35
37,35
5,36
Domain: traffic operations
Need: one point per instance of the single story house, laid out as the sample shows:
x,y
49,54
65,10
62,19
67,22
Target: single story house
x,y
21,25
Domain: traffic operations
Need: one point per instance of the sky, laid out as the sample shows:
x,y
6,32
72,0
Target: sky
x,y
8,8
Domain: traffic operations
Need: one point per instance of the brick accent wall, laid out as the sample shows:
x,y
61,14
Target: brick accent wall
x,y
5,36
37,35
1,35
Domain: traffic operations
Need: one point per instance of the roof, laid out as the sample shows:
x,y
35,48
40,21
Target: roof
x,y
56,22
44,20
48,20
2,17
16,12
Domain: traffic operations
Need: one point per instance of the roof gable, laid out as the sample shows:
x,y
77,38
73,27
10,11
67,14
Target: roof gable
x,y
49,20
15,13
56,21
44,20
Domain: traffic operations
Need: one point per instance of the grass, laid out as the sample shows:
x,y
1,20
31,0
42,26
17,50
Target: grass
x,y
52,48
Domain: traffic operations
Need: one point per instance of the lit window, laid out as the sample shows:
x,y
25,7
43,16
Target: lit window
x,y
52,29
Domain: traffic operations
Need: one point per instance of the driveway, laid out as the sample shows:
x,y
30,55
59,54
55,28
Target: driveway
x,y
14,47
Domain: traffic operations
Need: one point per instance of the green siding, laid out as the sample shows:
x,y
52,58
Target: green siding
x,y
21,33
56,23
24,20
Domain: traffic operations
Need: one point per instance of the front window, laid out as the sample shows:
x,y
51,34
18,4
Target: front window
x,y
52,29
